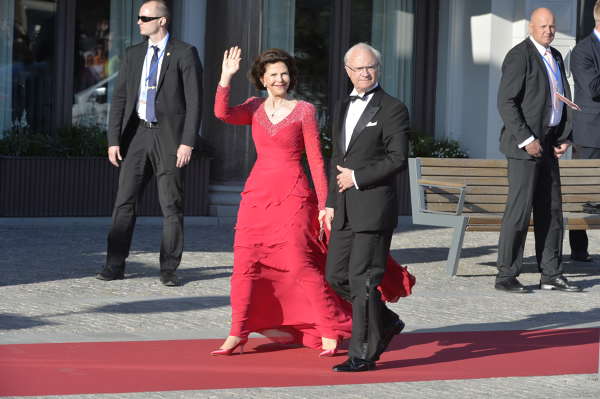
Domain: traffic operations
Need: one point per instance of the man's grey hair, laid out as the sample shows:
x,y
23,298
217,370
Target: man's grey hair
x,y
363,46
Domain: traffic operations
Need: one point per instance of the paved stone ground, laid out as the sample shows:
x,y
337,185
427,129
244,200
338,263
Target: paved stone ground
x,y
49,294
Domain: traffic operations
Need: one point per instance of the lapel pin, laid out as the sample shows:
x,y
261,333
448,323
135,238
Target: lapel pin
x,y
168,54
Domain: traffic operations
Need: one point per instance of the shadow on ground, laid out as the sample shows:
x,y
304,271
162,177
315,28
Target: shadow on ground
x,y
11,321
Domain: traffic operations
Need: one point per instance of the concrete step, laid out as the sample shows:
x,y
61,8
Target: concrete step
x,y
223,210
226,187
224,199
220,194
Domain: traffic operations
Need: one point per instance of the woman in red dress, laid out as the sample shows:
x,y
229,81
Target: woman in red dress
x,y
278,286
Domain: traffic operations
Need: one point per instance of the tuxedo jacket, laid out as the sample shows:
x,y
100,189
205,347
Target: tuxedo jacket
x,y
585,66
377,151
178,101
524,99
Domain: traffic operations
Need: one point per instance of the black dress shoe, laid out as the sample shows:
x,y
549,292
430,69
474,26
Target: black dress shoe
x,y
559,283
388,335
581,257
169,279
110,273
511,285
354,364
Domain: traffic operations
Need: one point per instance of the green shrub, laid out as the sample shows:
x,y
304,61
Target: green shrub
x,y
422,145
74,141
22,142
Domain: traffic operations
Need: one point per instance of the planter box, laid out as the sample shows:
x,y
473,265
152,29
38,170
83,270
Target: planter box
x,y
44,186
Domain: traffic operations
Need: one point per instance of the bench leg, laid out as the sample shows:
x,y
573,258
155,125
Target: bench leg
x,y
456,248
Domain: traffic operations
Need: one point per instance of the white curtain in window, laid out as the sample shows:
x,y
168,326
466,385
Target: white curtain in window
x,y
278,24
392,34
7,11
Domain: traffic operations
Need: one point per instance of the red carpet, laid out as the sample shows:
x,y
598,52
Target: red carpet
x,y
111,367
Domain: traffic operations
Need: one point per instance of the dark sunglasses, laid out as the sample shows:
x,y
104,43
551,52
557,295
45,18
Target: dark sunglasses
x,y
147,19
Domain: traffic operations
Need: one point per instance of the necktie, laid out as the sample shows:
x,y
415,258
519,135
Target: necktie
x,y
151,87
553,77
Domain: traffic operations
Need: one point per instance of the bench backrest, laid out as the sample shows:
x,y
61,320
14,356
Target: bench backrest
x,y
488,184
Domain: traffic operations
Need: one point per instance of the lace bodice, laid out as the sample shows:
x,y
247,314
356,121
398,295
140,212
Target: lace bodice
x,y
282,144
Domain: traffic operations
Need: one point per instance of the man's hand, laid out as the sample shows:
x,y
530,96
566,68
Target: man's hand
x,y
328,217
344,179
534,148
184,154
560,150
321,217
114,155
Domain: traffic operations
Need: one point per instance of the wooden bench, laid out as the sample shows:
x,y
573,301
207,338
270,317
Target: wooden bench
x,y
470,195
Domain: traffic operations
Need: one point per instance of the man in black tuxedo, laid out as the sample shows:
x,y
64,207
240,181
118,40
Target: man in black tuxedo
x,y
585,66
370,147
535,134
154,119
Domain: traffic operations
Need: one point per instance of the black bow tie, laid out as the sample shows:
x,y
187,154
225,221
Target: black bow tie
x,y
364,97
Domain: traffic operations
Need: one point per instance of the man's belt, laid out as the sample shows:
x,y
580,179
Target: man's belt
x,y
149,125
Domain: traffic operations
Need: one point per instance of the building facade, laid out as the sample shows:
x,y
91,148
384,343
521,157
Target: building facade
x,y
59,59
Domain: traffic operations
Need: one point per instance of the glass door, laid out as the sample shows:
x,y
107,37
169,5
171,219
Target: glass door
x,y
312,30
27,54
103,29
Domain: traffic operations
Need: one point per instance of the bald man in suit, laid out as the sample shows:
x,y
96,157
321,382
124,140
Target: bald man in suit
x,y
535,134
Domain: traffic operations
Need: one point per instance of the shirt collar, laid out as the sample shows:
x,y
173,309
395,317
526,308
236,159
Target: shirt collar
x,y
161,45
370,89
597,34
539,47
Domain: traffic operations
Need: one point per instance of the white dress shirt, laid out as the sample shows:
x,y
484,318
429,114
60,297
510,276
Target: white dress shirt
x,y
141,108
355,110
557,106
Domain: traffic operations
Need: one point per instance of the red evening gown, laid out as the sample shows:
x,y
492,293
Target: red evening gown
x,y
278,286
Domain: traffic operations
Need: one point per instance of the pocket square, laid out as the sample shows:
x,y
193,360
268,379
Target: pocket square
x,y
372,124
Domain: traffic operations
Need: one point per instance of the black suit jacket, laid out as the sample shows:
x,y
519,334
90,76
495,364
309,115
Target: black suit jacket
x,y
178,102
585,65
524,99
376,153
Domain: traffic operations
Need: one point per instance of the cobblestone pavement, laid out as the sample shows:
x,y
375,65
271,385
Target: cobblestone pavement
x,y
49,294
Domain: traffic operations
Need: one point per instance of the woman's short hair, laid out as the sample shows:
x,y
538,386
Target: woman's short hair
x,y
272,56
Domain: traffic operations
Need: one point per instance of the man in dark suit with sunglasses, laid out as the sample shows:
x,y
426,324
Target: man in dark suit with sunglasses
x,y
153,123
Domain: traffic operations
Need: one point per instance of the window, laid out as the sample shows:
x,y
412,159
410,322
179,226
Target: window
x,y
93,66
103,29
310,29
27,52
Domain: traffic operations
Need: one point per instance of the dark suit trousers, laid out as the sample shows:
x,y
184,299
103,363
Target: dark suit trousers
x,y
143,160
532,183
355,266
578,239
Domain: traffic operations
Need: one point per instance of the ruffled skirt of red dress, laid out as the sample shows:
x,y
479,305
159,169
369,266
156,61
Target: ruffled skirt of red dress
x,y
278,286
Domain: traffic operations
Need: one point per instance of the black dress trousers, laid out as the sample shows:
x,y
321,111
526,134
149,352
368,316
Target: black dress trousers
x,y
355,266
532,183
146,157
578,239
